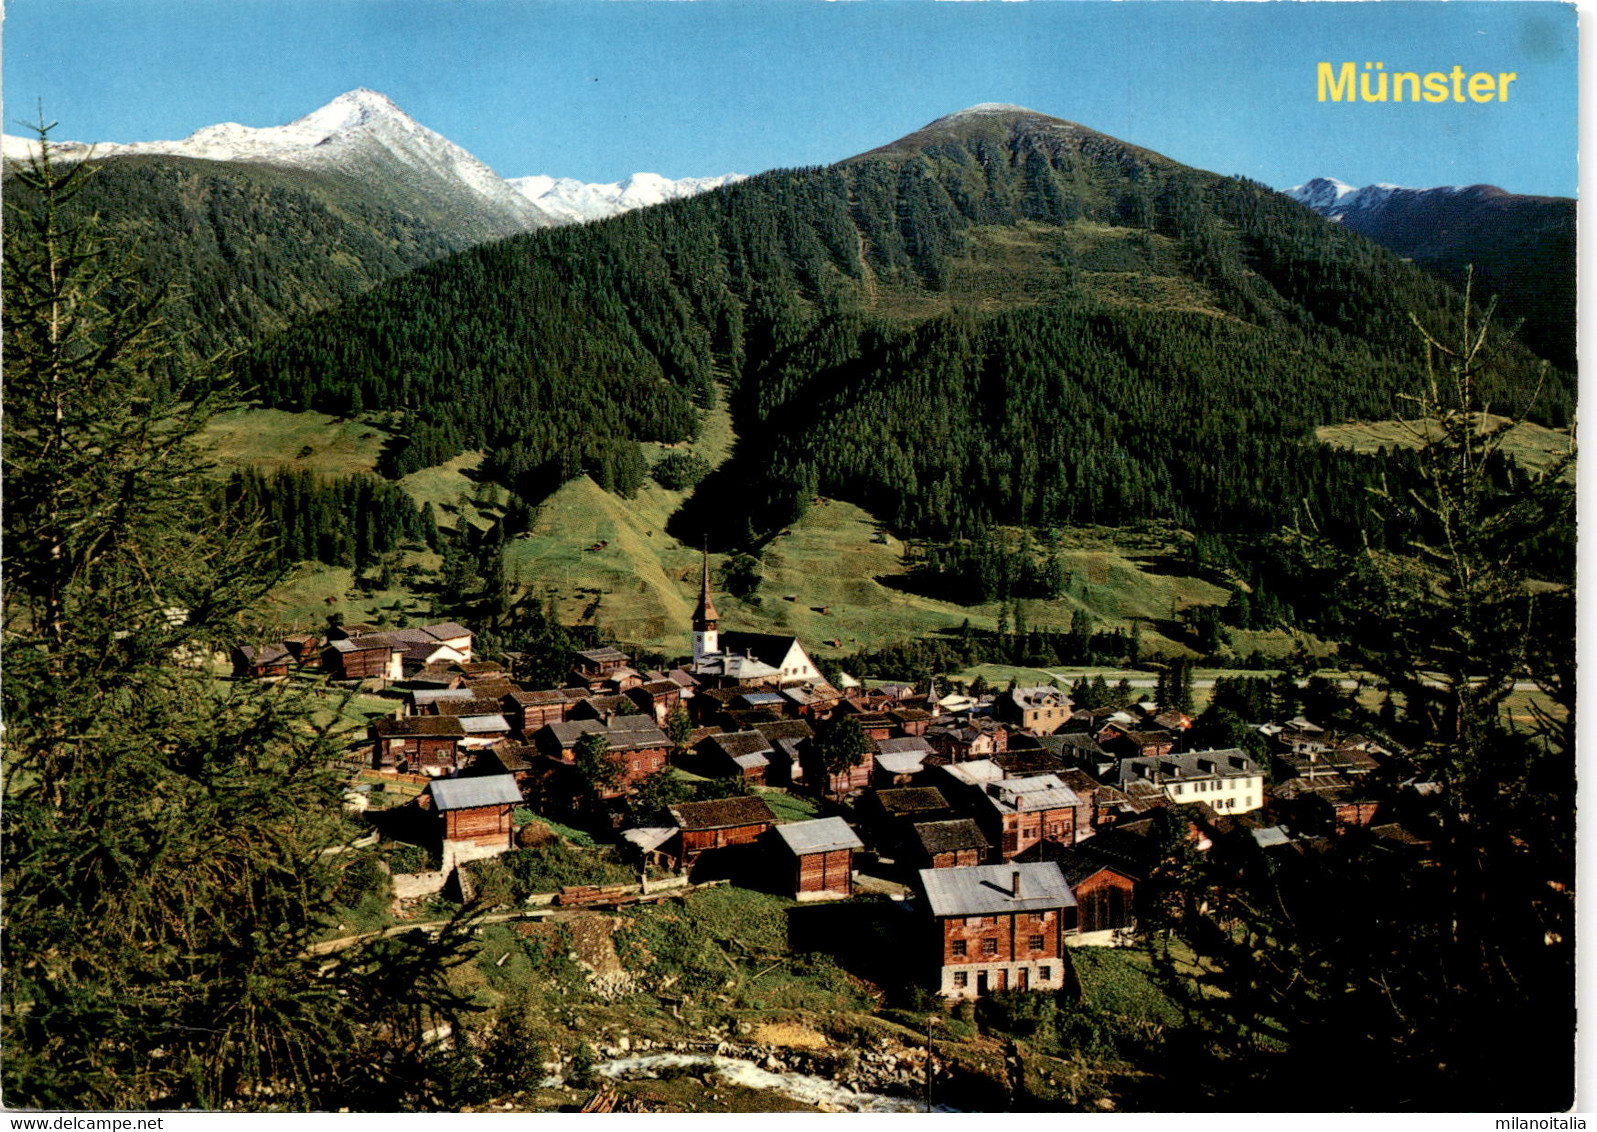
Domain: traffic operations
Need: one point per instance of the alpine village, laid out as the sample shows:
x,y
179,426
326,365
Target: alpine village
x,y
1005,622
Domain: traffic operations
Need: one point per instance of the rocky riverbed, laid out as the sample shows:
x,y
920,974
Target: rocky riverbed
x,y
878,1079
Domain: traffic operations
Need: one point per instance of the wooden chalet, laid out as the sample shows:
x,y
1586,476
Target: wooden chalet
x,y
998,927
260,662
604,707
811,701
900,807
515,759
704,827
710,704
738,754
1020,812
876,725
1106,895
305,648
592,667
844,782
820,854
951,844
528,711
973,739
418,744
477,810
637,746
370,656
1105,872
623,679
426,701
658,698
910,721
1129,744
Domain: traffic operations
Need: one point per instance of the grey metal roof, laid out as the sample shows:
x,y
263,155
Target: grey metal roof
x,y
1231,762
822,835
983,890
1027,795
1271,836
465,793
648,837
434,695
901,762
446,629
902,746
483,724
976,772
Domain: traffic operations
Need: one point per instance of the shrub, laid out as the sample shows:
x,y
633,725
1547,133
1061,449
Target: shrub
x,y
409,859
679,471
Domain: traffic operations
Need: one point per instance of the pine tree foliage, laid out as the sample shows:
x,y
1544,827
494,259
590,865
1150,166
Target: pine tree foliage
x,y
167,837
1411,956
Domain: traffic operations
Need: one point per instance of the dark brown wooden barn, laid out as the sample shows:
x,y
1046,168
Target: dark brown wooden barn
x,y
478,810
725,822
820,856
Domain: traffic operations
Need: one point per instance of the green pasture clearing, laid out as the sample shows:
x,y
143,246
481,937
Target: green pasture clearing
x,y
311,591
454,491
1532,445
274,439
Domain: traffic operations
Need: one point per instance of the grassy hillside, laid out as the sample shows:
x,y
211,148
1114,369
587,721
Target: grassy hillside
x,y
1532,445
835,575
271,440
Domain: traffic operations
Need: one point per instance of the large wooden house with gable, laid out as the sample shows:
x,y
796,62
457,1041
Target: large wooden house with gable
x,y
998,927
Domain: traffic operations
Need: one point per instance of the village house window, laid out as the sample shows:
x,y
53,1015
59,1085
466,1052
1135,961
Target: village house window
x,y
973,921
959,947
961,979
1178,788
989,947
1036,943
1044,974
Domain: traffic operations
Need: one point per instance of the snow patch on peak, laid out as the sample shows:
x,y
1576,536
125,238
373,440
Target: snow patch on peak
x,y
1321,192
983,109
577,201
361,133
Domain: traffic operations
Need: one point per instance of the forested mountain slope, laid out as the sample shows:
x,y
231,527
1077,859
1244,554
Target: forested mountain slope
x,y
1004,317
1522,248
246,249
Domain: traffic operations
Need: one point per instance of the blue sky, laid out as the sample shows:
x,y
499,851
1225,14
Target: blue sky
x,y
597,90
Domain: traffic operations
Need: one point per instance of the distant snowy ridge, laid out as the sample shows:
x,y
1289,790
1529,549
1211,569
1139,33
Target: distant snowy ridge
x,y
1335,199
576,201
359,134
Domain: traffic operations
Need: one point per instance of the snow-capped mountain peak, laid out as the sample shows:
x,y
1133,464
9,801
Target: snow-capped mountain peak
x,y
1321,192
578,201
360,134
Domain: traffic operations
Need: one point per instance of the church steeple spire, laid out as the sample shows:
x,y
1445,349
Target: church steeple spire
x,y
705,638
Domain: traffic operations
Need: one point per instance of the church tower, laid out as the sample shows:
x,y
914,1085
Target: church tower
x,y
705,638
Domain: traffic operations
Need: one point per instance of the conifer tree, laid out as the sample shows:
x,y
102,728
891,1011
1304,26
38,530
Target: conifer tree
x,y
165,834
